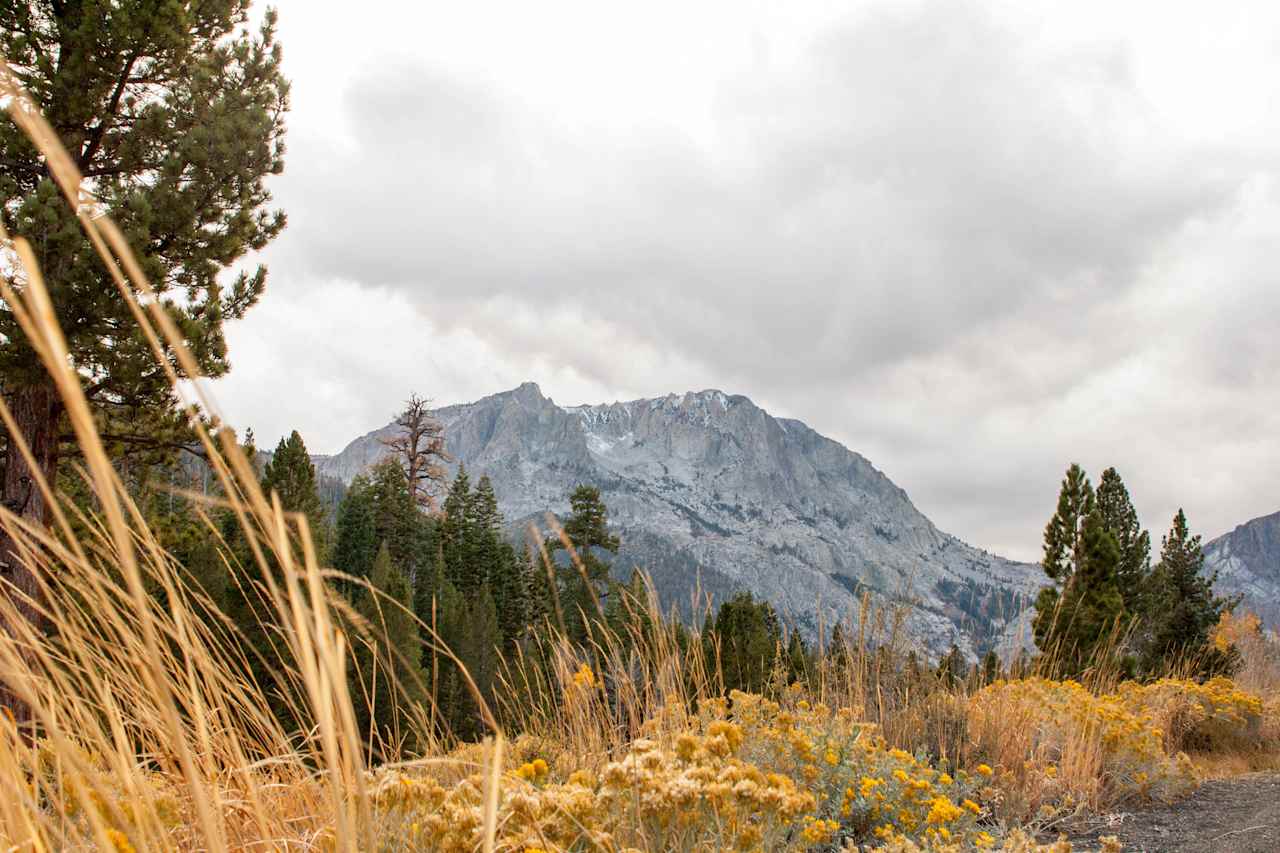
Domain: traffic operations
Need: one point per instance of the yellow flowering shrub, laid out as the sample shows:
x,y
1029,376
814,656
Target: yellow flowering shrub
x,y
739,773
699,795
1235,628
1031,727
1214,715
124,803
863,790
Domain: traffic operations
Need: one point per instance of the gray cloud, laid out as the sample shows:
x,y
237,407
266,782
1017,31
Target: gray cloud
x,y
972,256
920,175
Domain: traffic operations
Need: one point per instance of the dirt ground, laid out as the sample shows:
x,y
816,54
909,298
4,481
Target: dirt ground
x,y
1239,815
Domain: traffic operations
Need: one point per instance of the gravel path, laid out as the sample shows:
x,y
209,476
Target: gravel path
x,y
1240,815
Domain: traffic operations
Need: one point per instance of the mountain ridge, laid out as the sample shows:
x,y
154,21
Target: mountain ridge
x,y
709,491
1247,560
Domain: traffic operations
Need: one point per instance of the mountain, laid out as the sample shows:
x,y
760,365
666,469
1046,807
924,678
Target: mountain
x,y
709,492
1247,561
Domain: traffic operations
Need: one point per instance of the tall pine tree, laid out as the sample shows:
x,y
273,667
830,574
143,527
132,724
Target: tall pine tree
x,y
470,631
1184,609
1120,517
291,474
418,446
478,647
798,664
838,656
747,636
389,683
457,536
1063,535
356,540
990,667
1073,623
174,115
540,596
396,519
485,535
951,668
584,583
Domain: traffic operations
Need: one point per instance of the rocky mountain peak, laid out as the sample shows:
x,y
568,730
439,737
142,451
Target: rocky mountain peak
x,y
527,394
711,493
1247,561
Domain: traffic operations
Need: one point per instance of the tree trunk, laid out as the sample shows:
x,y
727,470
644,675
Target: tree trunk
x,y
35,410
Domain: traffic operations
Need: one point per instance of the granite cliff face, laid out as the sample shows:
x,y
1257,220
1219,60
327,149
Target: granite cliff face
x,y
708,491
1247,561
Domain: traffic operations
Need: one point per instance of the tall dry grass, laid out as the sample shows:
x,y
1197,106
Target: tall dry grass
x,y
140,714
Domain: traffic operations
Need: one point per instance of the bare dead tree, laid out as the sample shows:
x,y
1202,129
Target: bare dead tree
x,y
420,448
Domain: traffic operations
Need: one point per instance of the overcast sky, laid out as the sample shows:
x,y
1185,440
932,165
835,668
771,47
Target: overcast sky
x,y
973,241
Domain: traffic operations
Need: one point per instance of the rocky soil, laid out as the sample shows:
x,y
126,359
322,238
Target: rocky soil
x,y
1241,815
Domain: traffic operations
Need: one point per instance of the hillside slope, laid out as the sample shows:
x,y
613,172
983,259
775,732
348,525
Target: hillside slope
x,y
1247,561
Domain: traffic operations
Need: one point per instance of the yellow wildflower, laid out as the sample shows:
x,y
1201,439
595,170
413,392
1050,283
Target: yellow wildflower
x,y
942,810
584,677
119,841
868,785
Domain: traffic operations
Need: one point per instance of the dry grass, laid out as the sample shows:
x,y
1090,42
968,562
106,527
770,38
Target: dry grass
x,y
138,708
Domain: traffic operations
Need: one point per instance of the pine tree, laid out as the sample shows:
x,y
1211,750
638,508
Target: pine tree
x,y
748,636
484,511
457,533
951,669
838,649
356,543
449,686
175,117
428,591
990,667
1063,535
391,682
1072,624
494,560
490,559
1120,517
478,649
629,614
912,672
509,595
291,474
585,583
1184,609
539,594
797,658
396,519
471,632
